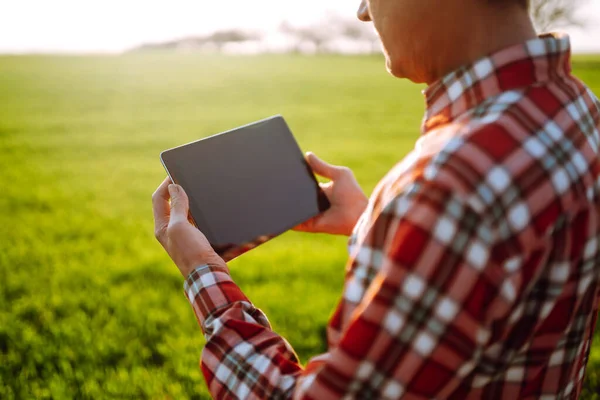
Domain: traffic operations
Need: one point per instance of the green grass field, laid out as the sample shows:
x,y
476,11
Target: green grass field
x,y
90,305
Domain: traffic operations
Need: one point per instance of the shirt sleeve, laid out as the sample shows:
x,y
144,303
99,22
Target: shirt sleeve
x,y
419,328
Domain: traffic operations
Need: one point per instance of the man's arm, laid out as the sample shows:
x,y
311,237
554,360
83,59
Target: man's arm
x,y
419,328
243,357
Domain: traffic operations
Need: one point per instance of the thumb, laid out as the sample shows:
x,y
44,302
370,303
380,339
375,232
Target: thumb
x,y
179,204
322,168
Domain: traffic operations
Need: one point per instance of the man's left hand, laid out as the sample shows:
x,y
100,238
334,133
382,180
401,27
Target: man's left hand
x,y
186,245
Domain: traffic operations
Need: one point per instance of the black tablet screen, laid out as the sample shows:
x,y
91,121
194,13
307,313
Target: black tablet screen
x,y
246,185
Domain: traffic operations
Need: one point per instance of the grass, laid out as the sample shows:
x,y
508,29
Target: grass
x,y
90,305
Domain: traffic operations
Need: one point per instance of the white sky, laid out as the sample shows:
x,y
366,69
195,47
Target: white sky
x,y
116,25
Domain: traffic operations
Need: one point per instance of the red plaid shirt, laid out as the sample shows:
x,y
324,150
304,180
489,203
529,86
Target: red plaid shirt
x,y
474,272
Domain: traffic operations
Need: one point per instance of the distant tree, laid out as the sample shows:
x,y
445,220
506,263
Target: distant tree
x,y
550,14
220,38
288,29
318,35
213,41
360,32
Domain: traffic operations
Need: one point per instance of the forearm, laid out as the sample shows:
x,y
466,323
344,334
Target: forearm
x,y
243,357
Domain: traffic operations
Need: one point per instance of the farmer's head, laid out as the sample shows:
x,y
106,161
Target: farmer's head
x,y
424,39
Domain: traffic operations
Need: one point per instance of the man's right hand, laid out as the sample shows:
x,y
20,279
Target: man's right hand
x,y
347,199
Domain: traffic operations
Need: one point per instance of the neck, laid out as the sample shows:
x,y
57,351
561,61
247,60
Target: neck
x,y
490,28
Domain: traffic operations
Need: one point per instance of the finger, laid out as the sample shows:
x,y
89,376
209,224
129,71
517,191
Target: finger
x,y
160,205
322,168
312,225
306,226
180,205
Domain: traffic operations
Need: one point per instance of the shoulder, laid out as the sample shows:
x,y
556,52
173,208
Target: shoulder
x,y
468,155
507,135
520,160
479,157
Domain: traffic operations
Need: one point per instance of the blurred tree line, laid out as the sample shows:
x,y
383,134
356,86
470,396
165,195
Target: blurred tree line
x,y
330,35
334,34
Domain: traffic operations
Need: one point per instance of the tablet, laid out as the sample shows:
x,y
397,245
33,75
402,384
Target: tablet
x,y
246,185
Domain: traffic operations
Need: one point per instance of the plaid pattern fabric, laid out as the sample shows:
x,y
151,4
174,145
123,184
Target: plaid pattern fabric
x,y
473,273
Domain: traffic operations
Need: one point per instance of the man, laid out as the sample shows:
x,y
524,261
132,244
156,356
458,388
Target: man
x,y
474,267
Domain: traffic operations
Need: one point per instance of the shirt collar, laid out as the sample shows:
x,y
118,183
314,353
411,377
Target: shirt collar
x,y
535,61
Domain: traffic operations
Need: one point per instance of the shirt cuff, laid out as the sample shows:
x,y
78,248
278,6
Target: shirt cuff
x,y
210,289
